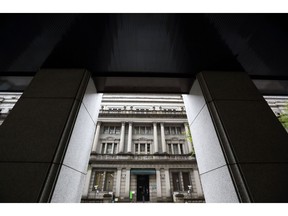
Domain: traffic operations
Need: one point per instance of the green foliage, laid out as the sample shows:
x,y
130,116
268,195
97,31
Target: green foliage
x,y
189,138
283,118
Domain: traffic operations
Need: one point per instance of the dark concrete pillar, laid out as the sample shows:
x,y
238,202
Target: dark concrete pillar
x,y
241,148
47,138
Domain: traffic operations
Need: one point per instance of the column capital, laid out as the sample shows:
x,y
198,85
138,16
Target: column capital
x,y
154,123
123,123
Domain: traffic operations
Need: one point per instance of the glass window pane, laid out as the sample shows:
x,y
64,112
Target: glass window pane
x,y
117,130
175,148
186,180
178,130
176,181
109,181
142,148
142,130
111,130
136,130
166,129
98,180
109,148
173,130
181,149
106,130
103,148
148,130
148,148
136,148
169,149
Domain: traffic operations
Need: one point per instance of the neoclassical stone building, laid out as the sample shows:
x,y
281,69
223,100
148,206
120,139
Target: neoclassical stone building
x,y
142,151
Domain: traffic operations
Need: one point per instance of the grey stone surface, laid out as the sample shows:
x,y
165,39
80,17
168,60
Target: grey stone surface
x,y
92,100
80,144
209,154
33,129
228,86
218,186
255,134
22,182
194,102
56,83
266,182
69,186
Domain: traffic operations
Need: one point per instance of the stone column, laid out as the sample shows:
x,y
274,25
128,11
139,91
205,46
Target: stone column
x,y
129,148
42,139
167,183
189,144
155,140
197,182
118,182
179,149
164,149
87,182
241,147
127,183
96,138
158,183
122,137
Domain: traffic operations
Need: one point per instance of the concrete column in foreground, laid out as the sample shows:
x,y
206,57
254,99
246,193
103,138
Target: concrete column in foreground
x,y
96,138
129,147
163,141
241,147
188,139
118,182
87,182
42,139
155,140
122,137
158,183
197,182
167,183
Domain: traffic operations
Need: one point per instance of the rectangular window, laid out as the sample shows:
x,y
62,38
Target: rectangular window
x,y
142,130
109,148
106,130
98,182
169,149
186,180
181,149
109,181
103,148
148,148
111,130
173,130
178,130
176,181
148,130
167,131
136,130
175,149
136,149
117,130
142,148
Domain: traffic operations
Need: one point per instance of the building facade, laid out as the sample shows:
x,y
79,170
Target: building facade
x,y
7,102
142,151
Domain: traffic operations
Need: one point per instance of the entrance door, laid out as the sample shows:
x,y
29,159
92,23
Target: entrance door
x,y
142,188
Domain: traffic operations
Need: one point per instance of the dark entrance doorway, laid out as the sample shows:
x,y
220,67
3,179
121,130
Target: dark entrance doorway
x,y
143,188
